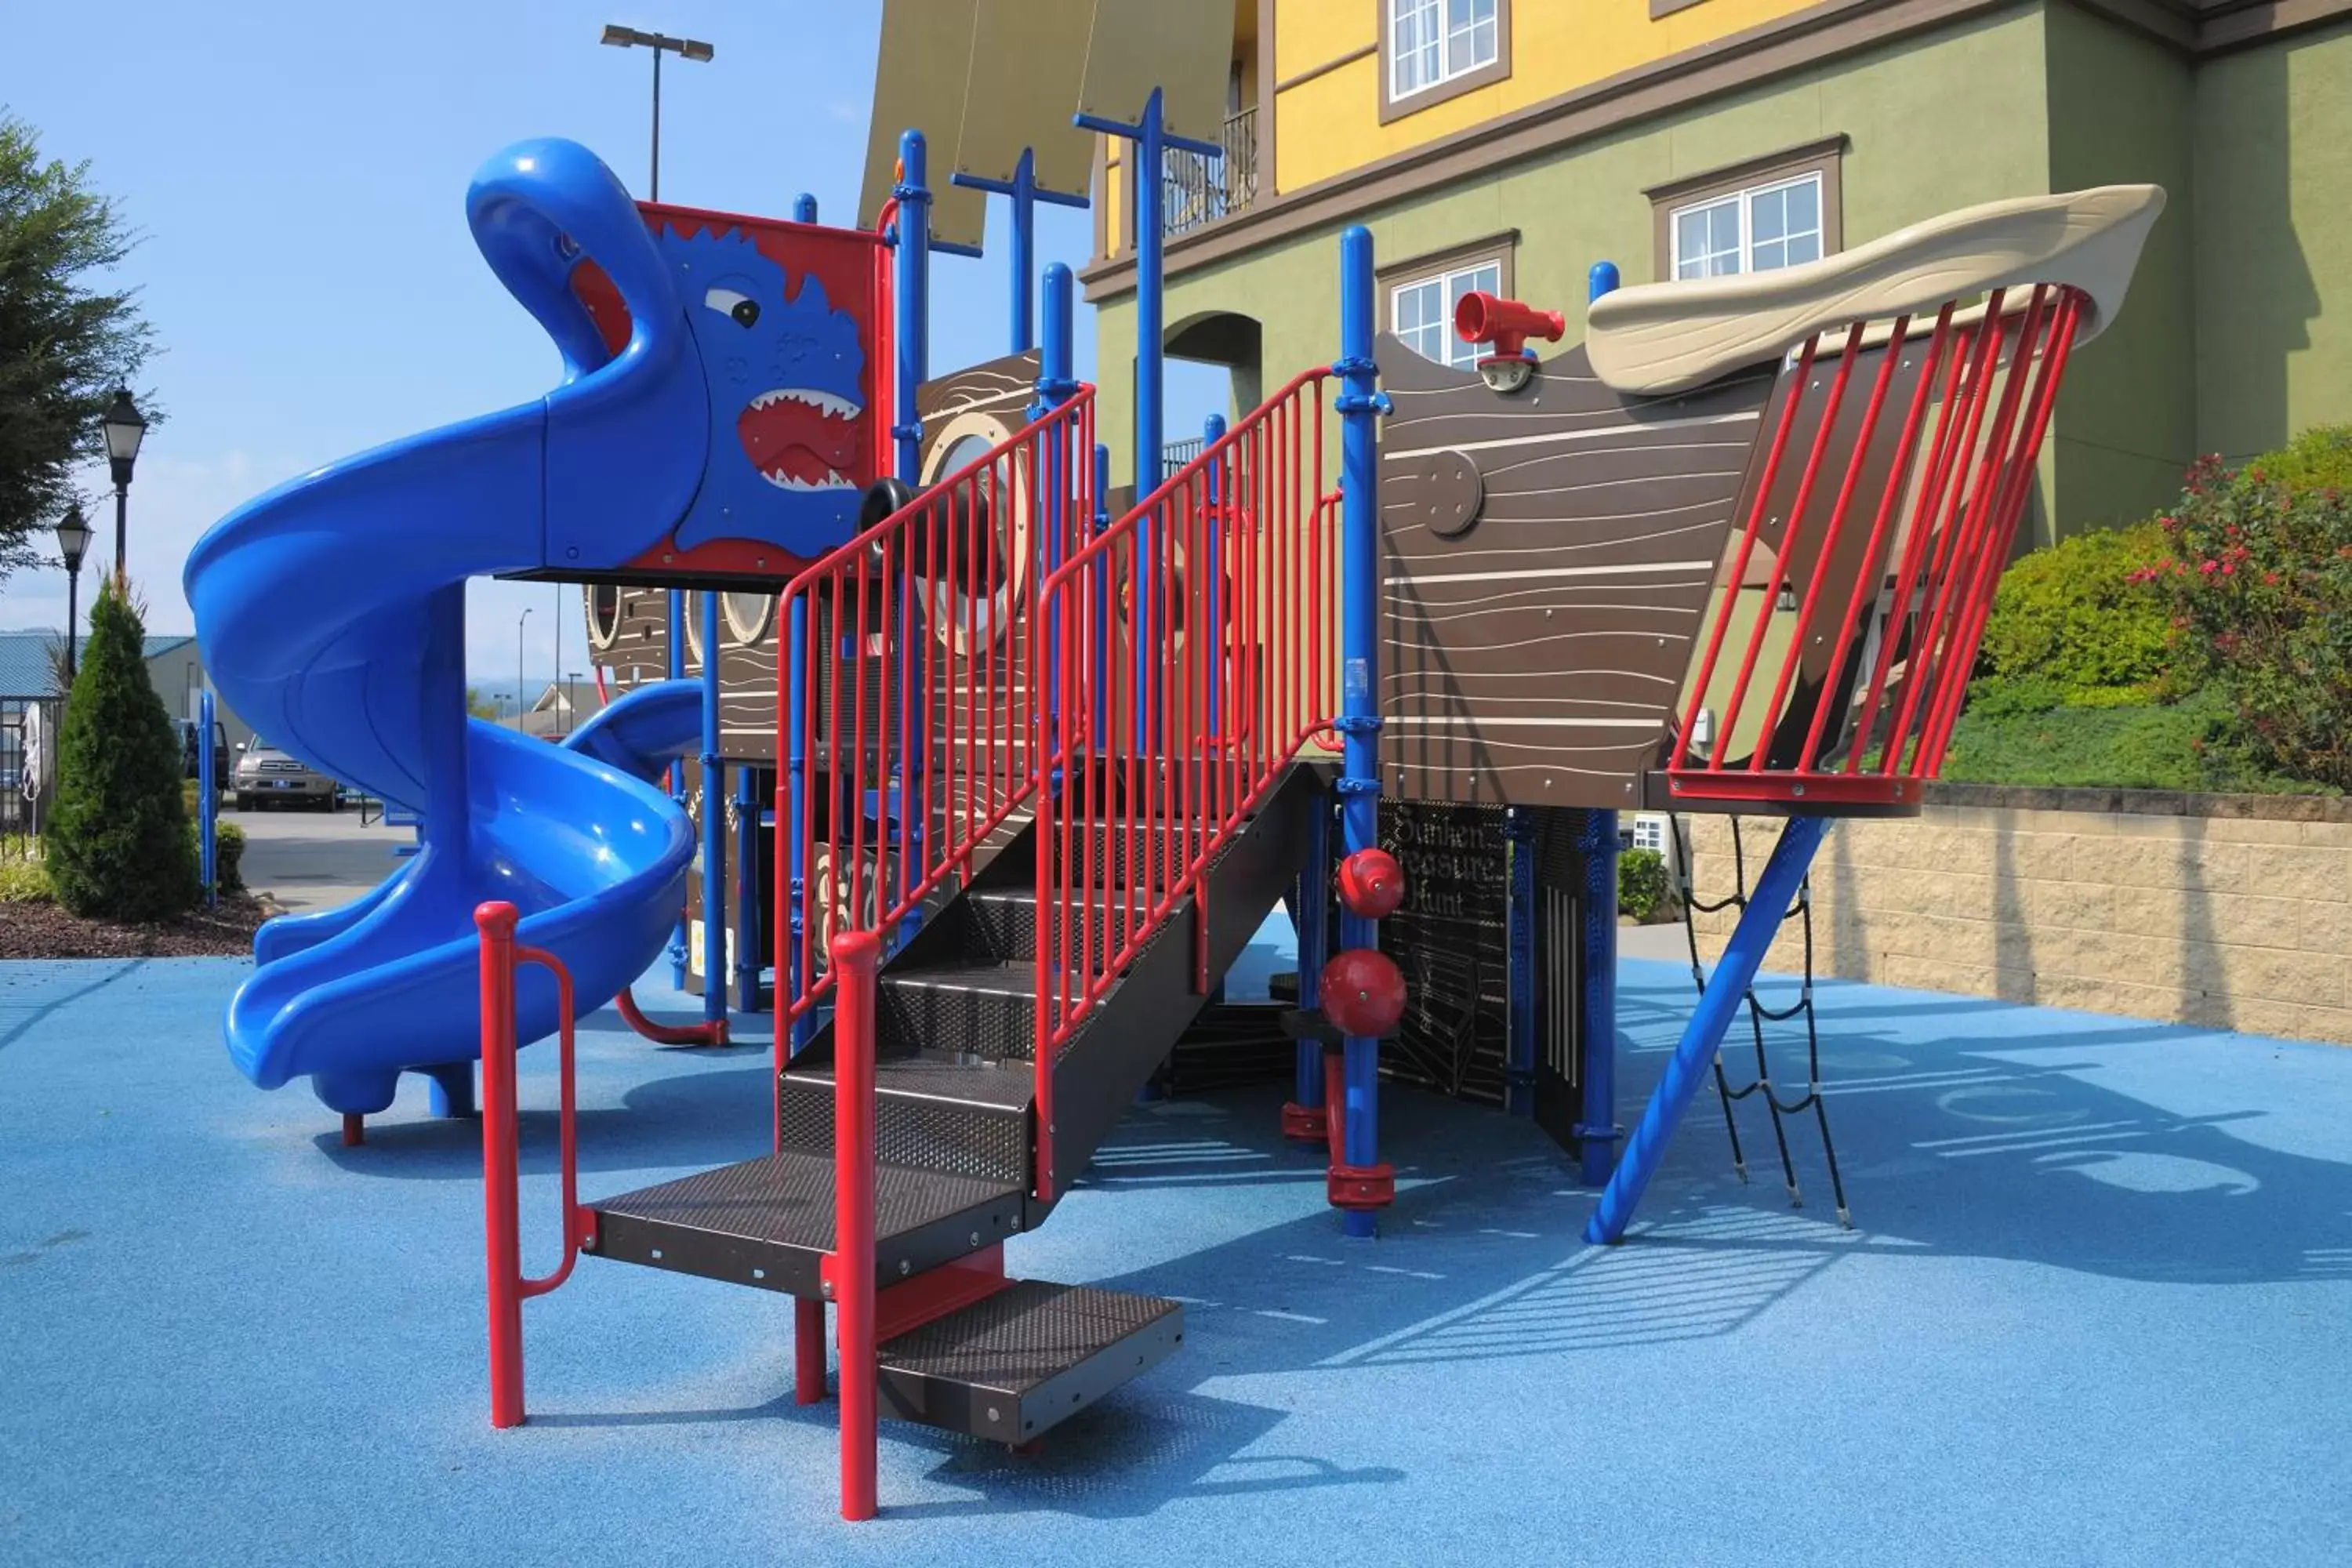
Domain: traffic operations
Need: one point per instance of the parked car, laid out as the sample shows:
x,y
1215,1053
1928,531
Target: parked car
x,y
266,775
222,759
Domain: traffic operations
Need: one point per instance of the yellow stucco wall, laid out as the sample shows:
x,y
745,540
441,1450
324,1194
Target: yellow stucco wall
x,y
1332,124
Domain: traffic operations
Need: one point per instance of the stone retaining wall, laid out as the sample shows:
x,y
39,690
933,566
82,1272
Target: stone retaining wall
x,y
2230,910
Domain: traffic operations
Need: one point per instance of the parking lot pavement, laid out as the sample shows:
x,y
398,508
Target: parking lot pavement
x,y
315,859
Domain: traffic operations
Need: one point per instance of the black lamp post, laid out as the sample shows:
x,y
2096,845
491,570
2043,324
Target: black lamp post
x,y
73,538
661,43
125,428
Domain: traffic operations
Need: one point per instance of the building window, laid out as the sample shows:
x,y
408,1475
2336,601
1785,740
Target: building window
x,y
1778,211
1431,50
1755,230
1422,291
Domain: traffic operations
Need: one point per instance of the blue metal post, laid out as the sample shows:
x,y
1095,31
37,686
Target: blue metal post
x,y
1360,722
1597,850
913,303
1025,193
1152,142
1523,1017
714,814
1718,1005
677,936
207,799
1150,386
1596,1130
789,978
1056,385
1212,430
1102,597
804,208
748,945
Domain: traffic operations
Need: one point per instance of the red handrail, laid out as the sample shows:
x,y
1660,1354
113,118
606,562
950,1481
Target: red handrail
x,y
1219,592
508,1287
918,711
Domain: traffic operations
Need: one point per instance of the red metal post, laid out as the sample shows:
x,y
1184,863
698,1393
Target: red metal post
x,y
808,1353
856,955
711,1032
499,1175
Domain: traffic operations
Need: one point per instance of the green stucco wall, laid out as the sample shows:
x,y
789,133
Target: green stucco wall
x,y
2224,344
1900,107
2121,112
2274,241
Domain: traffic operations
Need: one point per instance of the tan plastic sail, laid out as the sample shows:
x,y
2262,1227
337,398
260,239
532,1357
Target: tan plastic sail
x,y
1658,337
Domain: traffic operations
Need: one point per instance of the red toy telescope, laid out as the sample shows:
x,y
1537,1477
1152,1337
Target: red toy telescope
x,y
1482,318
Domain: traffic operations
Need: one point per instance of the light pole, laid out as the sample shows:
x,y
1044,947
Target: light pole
x,y
125,428
518,702
622,37
73,538
572,700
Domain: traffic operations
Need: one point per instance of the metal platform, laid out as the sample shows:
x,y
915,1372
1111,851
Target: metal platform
x,y
1012,1365
767,1223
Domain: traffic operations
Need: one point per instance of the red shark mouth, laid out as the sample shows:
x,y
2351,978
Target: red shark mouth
x,y
801,439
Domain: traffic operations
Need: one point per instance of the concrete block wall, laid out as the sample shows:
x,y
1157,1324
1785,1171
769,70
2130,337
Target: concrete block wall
x,y
2234,911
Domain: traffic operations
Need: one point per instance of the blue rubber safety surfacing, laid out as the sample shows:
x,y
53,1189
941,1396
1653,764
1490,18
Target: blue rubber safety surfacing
x,y
2095,1313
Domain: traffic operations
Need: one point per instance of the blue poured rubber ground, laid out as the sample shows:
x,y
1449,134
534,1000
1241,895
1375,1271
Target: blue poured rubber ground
x,y
2095,1312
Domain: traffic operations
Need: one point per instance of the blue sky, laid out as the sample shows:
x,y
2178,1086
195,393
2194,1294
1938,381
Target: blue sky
x,y
299,171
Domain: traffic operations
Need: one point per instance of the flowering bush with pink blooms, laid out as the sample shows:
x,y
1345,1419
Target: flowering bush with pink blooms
x,y
2259,582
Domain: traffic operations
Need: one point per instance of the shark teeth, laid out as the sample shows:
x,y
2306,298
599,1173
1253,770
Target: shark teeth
x,y
784,481
823,402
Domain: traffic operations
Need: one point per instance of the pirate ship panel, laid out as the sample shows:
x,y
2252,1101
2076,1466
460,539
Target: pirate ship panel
x,y
1547,558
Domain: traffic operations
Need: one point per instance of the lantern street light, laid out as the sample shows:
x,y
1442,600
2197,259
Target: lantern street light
x,y
125,428
622,37
73,538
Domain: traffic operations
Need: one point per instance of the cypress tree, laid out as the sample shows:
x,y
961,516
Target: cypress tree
x,y
118,845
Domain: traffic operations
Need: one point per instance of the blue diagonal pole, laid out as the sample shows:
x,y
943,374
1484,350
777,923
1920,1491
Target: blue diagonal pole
x,y
1718,1005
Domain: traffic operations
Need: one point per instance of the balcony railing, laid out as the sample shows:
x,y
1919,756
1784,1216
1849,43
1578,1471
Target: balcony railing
x,y
1196,192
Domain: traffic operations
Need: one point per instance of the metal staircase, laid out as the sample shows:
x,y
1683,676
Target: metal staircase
x,y
955,1170
1042,782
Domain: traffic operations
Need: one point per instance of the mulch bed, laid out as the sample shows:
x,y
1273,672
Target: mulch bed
x,y
47,931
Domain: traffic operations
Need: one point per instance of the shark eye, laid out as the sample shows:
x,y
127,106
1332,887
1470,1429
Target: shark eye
x,y
741,309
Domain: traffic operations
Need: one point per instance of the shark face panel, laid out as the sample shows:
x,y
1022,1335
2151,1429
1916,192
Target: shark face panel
x,y
785,371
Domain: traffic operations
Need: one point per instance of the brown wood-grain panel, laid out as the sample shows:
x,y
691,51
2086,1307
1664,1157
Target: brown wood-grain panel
x,y
1534,656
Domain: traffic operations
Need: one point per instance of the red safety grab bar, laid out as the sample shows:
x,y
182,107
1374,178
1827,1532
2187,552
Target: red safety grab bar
x,y
508,1287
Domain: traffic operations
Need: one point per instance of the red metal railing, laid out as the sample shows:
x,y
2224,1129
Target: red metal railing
x,y
1217,596
1953,470
920,721
508,1288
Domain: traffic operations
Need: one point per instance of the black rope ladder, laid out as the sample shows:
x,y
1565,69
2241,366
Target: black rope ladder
x,y
1759,1016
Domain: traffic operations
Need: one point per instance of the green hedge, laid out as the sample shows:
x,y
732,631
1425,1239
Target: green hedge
x,y
1644,891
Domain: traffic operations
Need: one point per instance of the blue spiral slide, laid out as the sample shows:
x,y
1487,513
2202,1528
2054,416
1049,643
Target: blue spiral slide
x,y
331,615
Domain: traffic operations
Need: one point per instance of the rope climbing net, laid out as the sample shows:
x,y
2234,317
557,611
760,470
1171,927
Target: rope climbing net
x,y
1759,1016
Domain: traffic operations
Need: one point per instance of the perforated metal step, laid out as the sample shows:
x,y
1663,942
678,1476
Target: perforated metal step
x,y
1012,1366
934,1110
768,1222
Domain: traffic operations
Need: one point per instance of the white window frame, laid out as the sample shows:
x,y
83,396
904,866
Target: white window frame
x,y
1448,68
1741,201
1469,352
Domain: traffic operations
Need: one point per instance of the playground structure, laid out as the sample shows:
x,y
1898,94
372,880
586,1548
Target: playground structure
x,y
1040,766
